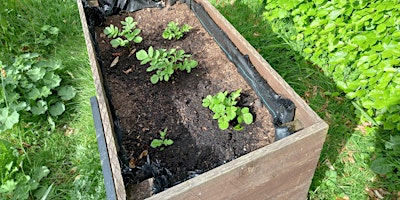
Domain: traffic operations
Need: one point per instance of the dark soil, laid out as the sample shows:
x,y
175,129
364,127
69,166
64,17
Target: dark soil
x,y
143,109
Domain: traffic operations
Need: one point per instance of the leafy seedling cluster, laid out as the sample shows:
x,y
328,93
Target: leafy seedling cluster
x,y
15,183
32,87
173,31
225,109
124,37
165,62
162,141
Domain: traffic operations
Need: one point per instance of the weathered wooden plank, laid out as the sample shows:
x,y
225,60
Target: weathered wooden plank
x,y
281,170
104,108
304,113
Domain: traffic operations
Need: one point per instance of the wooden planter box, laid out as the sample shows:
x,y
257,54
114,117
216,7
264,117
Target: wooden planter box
x,y
281,170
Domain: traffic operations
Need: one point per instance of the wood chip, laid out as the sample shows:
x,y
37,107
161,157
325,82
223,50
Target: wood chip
x,y
132,52
132,163
143,154
128,70
115,61
117,54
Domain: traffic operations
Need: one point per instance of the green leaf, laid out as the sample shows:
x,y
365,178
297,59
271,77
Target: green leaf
x,y
40,173
8,186
45,91
360,40
156,143
57,109
34,94
247,118
150,52
138,39
381,28
154,78
238,127
111,31
223,125
66,92
168,142
381,166
36,73
8,120
141,55
207,101
39,108
116,42
231,112
51,123
52,80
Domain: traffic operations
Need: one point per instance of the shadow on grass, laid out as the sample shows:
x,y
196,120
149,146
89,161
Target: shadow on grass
x,y
306,79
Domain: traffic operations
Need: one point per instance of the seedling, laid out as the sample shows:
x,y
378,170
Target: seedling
x,y
173,31
124,37
225,109
162,141
165,62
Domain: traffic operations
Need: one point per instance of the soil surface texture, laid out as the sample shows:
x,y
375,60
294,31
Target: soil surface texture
x,y
143,109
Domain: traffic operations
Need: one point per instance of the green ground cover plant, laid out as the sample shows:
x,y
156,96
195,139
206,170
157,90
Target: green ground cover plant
x,y
225,109
165,62
32,86
354,42
357,43
173,31
123,37
15,183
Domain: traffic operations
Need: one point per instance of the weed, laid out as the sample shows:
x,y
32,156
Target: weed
x,y
128,34
28,87
14,183
173,31
165,62
387,163
225,109
162,141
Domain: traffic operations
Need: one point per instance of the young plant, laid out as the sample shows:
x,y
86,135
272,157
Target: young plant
x,y
173,31
162,141
124,37
225,109
165,62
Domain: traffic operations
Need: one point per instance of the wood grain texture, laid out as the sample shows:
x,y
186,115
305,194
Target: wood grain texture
x,y
104,109
281,170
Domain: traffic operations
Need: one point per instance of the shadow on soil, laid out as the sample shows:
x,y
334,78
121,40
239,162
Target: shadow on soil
x,y
306,79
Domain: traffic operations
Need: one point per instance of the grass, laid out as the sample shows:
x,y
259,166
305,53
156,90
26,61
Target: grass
x,y
343,171
70,152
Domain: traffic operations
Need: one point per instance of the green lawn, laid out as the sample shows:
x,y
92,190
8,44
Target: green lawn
x,y
70,151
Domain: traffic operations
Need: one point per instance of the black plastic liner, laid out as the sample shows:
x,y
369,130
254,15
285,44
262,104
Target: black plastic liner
x,y
281,109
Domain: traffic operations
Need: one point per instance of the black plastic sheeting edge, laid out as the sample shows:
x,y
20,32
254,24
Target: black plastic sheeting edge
x,y
101,143
281,109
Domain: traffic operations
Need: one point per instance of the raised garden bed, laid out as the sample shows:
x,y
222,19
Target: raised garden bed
x,y
204,161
